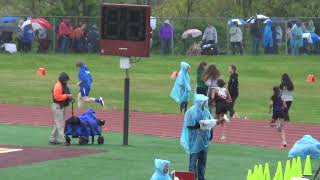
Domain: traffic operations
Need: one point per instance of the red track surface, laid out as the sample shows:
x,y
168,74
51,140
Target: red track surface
x,y
250,132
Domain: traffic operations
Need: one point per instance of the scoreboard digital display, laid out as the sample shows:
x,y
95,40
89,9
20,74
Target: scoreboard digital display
x,y
125,30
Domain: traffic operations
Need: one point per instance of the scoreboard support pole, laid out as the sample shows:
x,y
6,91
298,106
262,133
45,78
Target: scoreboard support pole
x,y
126,109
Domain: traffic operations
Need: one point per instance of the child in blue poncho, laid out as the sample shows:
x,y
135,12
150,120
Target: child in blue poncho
x,y
161,170
85,81
182,88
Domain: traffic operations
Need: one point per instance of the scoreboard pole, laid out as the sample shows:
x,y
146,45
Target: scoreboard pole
x,y
126,108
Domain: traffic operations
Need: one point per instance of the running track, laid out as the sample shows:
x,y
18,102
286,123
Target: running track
x,y
249,132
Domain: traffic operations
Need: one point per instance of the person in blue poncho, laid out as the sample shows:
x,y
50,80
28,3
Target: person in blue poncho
x,y
85,81
296,41
89,119
182,88
194,139
267,38
161,170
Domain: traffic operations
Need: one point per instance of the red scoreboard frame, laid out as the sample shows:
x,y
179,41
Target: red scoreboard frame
x,y
125,30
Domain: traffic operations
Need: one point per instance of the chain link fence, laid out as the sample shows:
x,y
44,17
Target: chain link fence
x,y
87,40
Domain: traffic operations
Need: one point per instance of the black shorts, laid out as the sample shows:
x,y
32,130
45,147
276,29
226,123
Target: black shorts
x,y
222,107
278,115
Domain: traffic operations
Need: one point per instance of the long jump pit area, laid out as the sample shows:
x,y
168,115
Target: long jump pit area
x,y
11,156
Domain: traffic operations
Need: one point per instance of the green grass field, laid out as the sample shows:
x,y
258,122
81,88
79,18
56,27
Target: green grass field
x,y
134,162
151,83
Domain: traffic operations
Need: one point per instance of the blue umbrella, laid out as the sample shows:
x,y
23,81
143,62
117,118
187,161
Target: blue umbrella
x,y
239,21
8,19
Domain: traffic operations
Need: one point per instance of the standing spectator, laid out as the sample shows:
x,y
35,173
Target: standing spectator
x,y
296,41
268,39
274,39
65,34
201,87
289,36
210,35
279,36
182,87
236,38
210,78
43,40
79,38
161,170
194,140
287,89
27,38
93,39
310,28
166,36
61,96
233,88
256,33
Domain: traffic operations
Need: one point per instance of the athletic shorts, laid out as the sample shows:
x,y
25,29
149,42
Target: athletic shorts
x,y
278,115
84,91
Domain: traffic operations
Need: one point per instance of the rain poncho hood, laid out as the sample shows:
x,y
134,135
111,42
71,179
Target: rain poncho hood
x,y
159,170
268,41
307,145
195,140
89,119
84,75
182,88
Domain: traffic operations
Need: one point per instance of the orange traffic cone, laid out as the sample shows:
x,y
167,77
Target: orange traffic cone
x,y
311,78
174,74
42,71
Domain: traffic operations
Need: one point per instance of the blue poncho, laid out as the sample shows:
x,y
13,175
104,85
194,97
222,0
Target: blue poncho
x,y
195,140
88,119
159,170
268,41
296,39
182,88
305,146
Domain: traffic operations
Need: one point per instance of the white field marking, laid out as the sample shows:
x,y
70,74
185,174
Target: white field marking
x,y
7,150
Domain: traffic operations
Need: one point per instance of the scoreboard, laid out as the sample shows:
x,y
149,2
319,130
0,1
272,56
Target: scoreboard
x,y
125,30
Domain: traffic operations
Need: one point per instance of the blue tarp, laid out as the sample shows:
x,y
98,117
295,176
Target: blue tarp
x,y
307,145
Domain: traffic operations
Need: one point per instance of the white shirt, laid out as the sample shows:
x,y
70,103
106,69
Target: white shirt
x,y
286,95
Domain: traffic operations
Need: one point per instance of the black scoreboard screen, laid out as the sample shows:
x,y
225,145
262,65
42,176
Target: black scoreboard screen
x,y
125,27
124,24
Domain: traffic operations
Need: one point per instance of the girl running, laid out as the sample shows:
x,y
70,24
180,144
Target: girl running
x,y
277,105
222,98
286,88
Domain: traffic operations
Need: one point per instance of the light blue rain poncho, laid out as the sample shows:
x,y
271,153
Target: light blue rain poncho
x,y
195,140
296,39
267,36
182,88
307,145
159,173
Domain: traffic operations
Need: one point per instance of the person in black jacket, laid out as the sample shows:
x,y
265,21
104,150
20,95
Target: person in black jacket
x,y
233,88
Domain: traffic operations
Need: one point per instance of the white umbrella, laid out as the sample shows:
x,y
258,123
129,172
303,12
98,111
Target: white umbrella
x,y
153,22
191,32
35,25
239,21
261,16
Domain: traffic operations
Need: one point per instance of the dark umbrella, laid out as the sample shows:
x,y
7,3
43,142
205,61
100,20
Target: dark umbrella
x,y
8,19
9,27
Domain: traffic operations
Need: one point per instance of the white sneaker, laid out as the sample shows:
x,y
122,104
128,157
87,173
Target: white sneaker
x,y
225,117
223,138
101,101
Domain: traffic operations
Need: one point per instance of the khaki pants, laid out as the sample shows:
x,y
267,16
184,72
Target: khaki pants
x,y
57,134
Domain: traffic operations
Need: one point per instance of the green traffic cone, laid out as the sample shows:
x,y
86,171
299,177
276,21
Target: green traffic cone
x,y
287,172
260,174
294,168
279,174
299,167
307,167
249,176
266,172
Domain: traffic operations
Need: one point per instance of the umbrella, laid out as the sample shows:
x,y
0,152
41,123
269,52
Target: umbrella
x,y
259,16
239,21
44,23
8,27
37,23
311,37
266,21
8,19
191,32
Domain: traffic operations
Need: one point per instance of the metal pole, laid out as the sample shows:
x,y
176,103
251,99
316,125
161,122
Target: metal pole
x,y
126,108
